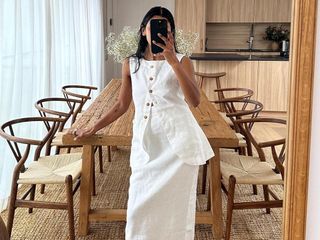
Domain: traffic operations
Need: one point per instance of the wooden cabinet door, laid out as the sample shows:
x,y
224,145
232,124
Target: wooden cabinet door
x,y
265,11
218,10
190,16
272,10
239,74
230,10
241,10
273,83
284,11
249,10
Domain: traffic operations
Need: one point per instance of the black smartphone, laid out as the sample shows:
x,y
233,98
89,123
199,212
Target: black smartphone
x,y
157,26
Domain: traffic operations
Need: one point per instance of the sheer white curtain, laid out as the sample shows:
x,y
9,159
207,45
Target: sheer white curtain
x,y
43,46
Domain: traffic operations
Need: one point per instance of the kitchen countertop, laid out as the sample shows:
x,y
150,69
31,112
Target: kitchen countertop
x,y
236,57
241,50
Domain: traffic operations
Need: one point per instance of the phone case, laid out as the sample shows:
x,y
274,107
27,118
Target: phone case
x,y
157,26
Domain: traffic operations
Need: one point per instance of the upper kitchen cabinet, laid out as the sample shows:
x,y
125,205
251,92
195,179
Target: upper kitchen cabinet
x,y
230,10
272,10
241,11
190,16
285,14
218,10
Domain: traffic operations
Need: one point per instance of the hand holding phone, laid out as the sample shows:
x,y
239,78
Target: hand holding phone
x,y
158,26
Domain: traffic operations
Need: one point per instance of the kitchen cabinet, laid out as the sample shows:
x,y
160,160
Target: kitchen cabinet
x,y
230,10
190,16
273,85
218,10
239,74
272,11
284,15
241,10
268,79
265,10
248,11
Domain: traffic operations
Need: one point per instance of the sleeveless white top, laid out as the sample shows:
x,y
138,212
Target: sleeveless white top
x,y
156,90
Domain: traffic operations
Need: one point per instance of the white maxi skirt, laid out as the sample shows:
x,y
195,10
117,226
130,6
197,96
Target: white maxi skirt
x,y
162,192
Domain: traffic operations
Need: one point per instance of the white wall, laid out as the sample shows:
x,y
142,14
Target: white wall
x,y
313,214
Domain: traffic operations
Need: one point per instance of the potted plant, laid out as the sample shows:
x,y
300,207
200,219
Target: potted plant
x,y
276,34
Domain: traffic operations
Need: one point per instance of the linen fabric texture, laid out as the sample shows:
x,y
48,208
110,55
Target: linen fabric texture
x,y
167,148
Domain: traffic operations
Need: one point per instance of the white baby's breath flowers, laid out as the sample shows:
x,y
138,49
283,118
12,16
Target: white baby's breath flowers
x,y
126,43
186,41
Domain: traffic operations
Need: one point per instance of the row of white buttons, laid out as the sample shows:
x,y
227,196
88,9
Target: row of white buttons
x,y
150,91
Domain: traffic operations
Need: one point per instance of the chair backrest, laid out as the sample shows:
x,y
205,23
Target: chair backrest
x,y
239,108
67,108
72,92
229,94
242,108
277,146
234,93
20,146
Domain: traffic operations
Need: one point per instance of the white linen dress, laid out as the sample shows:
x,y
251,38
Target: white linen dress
x,y
167,148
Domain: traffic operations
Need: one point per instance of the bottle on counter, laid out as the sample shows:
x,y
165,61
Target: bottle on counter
x,y
284,49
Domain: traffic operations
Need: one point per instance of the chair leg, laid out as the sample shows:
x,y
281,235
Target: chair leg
x,y
57,150
204,177
93,178
3,231
242,151
232,184
209,201
12,207
255,189
224,188
266,196
201,82
70,207
32,194
42,188
109,153
100,159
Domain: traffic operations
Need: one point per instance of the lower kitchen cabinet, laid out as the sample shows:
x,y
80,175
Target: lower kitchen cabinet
x,y
273,85
268,79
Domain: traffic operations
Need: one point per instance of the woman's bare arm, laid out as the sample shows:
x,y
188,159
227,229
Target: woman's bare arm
x,y
117,110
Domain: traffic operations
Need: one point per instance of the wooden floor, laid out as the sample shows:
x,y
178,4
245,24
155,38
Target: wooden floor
x,y
112,187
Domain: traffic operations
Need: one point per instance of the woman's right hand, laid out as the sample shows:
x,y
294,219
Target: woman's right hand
x,y
81,133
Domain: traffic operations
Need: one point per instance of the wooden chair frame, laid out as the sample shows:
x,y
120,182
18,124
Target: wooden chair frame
x,y
247,93
21,158
74,106
234,114
246,126
3,231
69,94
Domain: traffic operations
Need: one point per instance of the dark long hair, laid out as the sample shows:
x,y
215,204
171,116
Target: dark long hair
x,y
143,43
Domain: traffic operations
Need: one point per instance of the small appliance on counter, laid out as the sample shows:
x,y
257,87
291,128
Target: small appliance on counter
x,y
284,49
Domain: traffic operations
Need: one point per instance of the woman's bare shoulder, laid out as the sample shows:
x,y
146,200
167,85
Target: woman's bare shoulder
x,y
126,68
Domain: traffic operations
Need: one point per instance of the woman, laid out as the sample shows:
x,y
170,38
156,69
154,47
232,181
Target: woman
x,y
168,145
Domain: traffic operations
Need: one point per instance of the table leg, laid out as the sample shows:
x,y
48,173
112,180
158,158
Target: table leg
x,y
85,189
215,193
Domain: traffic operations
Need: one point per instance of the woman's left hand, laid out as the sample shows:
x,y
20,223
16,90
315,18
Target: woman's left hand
x,y
168,49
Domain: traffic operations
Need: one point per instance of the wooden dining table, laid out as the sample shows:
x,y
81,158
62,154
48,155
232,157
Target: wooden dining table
x,y
119,133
